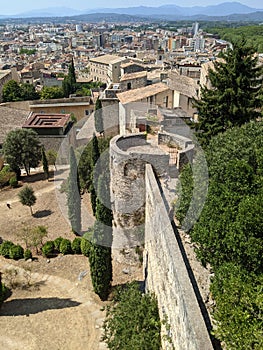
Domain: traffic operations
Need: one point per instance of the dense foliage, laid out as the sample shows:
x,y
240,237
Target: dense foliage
x,y
252,33
13,91
22,149
228,234
235,95
132,321
51,92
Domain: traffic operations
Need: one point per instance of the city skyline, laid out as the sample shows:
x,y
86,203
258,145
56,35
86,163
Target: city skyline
x,y
17,7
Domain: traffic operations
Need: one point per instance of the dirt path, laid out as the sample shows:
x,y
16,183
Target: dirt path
x,y
53,312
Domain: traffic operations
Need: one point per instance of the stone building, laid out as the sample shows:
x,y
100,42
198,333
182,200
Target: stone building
x,y
130,81
55,132
106,68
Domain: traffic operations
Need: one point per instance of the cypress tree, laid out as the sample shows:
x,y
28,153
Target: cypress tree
x,y
100,254
95,154
73,195
69,82
98,117
234,98
45,162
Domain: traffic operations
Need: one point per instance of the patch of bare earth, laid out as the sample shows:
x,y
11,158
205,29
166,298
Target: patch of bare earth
x,y
53,306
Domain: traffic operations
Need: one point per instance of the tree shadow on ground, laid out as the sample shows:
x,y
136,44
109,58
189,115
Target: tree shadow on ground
x,y
33,178
42,213
22,307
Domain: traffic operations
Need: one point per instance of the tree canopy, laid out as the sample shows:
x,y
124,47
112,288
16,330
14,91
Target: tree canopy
x,y
27,197
13,91
22,149
228,234
234,97
132,321
51,92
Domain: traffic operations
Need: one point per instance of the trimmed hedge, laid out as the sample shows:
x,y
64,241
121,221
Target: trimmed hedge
x,y
85,246
5,249
57,242
16,252
65,247
48,248
75,245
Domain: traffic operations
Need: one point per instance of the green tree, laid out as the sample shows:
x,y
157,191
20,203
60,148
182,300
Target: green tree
x,y
73,194
234,98
51,157
33,236
69,83
28,92
45,162
98,117
228,234
132,321
22,149
27,197
95,154
51,92
239,306
48,248
100,252
11,91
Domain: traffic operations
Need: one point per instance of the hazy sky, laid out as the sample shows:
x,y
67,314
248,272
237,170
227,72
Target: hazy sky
x,y
18,6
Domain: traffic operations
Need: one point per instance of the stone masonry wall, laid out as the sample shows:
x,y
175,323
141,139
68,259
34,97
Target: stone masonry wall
x,y
128,155
166,275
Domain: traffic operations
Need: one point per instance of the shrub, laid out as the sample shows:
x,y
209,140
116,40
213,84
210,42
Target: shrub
x,y
65,247
85,246
5,249
16,252
75,245
27,254
48,248
57,242
13,181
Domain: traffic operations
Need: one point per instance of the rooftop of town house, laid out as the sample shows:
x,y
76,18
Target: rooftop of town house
x,y
141,93
41,120
183,84
107,59
136,75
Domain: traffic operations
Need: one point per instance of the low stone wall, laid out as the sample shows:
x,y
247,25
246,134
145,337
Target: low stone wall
x,y
166,275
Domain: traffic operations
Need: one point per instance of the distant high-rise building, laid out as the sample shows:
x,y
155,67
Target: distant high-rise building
x,y
195,28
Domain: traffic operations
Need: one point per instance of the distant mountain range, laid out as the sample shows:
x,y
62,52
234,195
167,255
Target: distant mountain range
x,y
229,9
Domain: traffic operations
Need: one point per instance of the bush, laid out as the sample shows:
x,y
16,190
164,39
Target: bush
x,y
57,242
5,249
13,181
16,252
85,246
75,245
48,248
27,254
5,175
65,247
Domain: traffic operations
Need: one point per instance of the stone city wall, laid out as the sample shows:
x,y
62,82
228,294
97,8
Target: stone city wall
x,y
166,275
